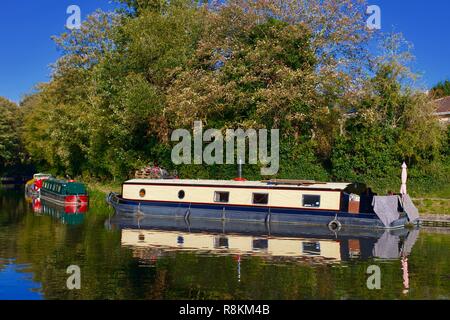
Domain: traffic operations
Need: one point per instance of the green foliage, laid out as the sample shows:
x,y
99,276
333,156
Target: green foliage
x,y
391,124
127,79
441,90
368,152
10,146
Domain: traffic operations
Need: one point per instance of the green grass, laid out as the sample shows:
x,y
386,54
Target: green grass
x,y
438,189
417,188
99,208
104,188
429,206
431,196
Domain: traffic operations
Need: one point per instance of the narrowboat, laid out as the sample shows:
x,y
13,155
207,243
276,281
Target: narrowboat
x,y
65,193
33,186
271,202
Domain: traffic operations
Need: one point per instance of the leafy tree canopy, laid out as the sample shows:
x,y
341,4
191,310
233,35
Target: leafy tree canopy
x,y
128,78
441,90
9,134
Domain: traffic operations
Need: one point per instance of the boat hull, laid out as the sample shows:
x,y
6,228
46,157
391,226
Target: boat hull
x,y
63,200
247,213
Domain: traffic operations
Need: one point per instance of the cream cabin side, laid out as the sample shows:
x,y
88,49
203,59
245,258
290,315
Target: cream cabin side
x,y
308,199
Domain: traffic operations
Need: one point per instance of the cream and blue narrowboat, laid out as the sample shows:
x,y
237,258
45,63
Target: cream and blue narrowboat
x,y
275,201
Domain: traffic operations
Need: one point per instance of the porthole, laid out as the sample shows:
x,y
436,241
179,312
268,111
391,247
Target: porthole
x,y
142,193
181,194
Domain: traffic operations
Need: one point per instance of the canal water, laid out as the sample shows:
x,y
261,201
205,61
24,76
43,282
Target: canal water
x,y
141,258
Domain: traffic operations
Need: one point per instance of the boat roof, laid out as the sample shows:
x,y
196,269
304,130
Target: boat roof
x,y
294,184
71,186
40,175
59,181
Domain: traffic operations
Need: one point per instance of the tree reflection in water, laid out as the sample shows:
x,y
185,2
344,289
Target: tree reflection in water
x,y
123,261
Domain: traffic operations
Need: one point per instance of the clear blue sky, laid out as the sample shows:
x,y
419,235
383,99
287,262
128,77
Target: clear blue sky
x,y
26,49
425,25
27,25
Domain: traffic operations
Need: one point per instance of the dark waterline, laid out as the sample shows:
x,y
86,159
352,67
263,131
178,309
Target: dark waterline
x,y
142,259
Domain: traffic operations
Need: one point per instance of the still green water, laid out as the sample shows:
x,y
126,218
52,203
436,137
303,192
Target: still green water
x,y
37,247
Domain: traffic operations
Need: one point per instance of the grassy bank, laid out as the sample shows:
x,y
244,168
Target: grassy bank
x,y
104,187
433,206
431,196
97,198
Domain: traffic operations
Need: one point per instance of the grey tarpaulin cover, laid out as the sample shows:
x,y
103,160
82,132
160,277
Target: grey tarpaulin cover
x,y
410,241
387,247
386,209
410,208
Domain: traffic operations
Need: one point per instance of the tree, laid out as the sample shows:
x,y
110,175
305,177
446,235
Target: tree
x,y
272,65
392,124
441,90
10,147
128,78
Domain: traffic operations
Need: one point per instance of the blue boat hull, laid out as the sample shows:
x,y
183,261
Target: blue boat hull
x,y
249,214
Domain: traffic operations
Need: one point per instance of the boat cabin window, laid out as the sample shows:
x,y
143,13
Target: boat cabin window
x,y
311,201
181,194
311,248
222,197
260,198
260,244
221,242
142,193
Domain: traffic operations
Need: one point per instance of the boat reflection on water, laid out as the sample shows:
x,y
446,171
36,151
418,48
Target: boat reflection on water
x,y
152,237
68,214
